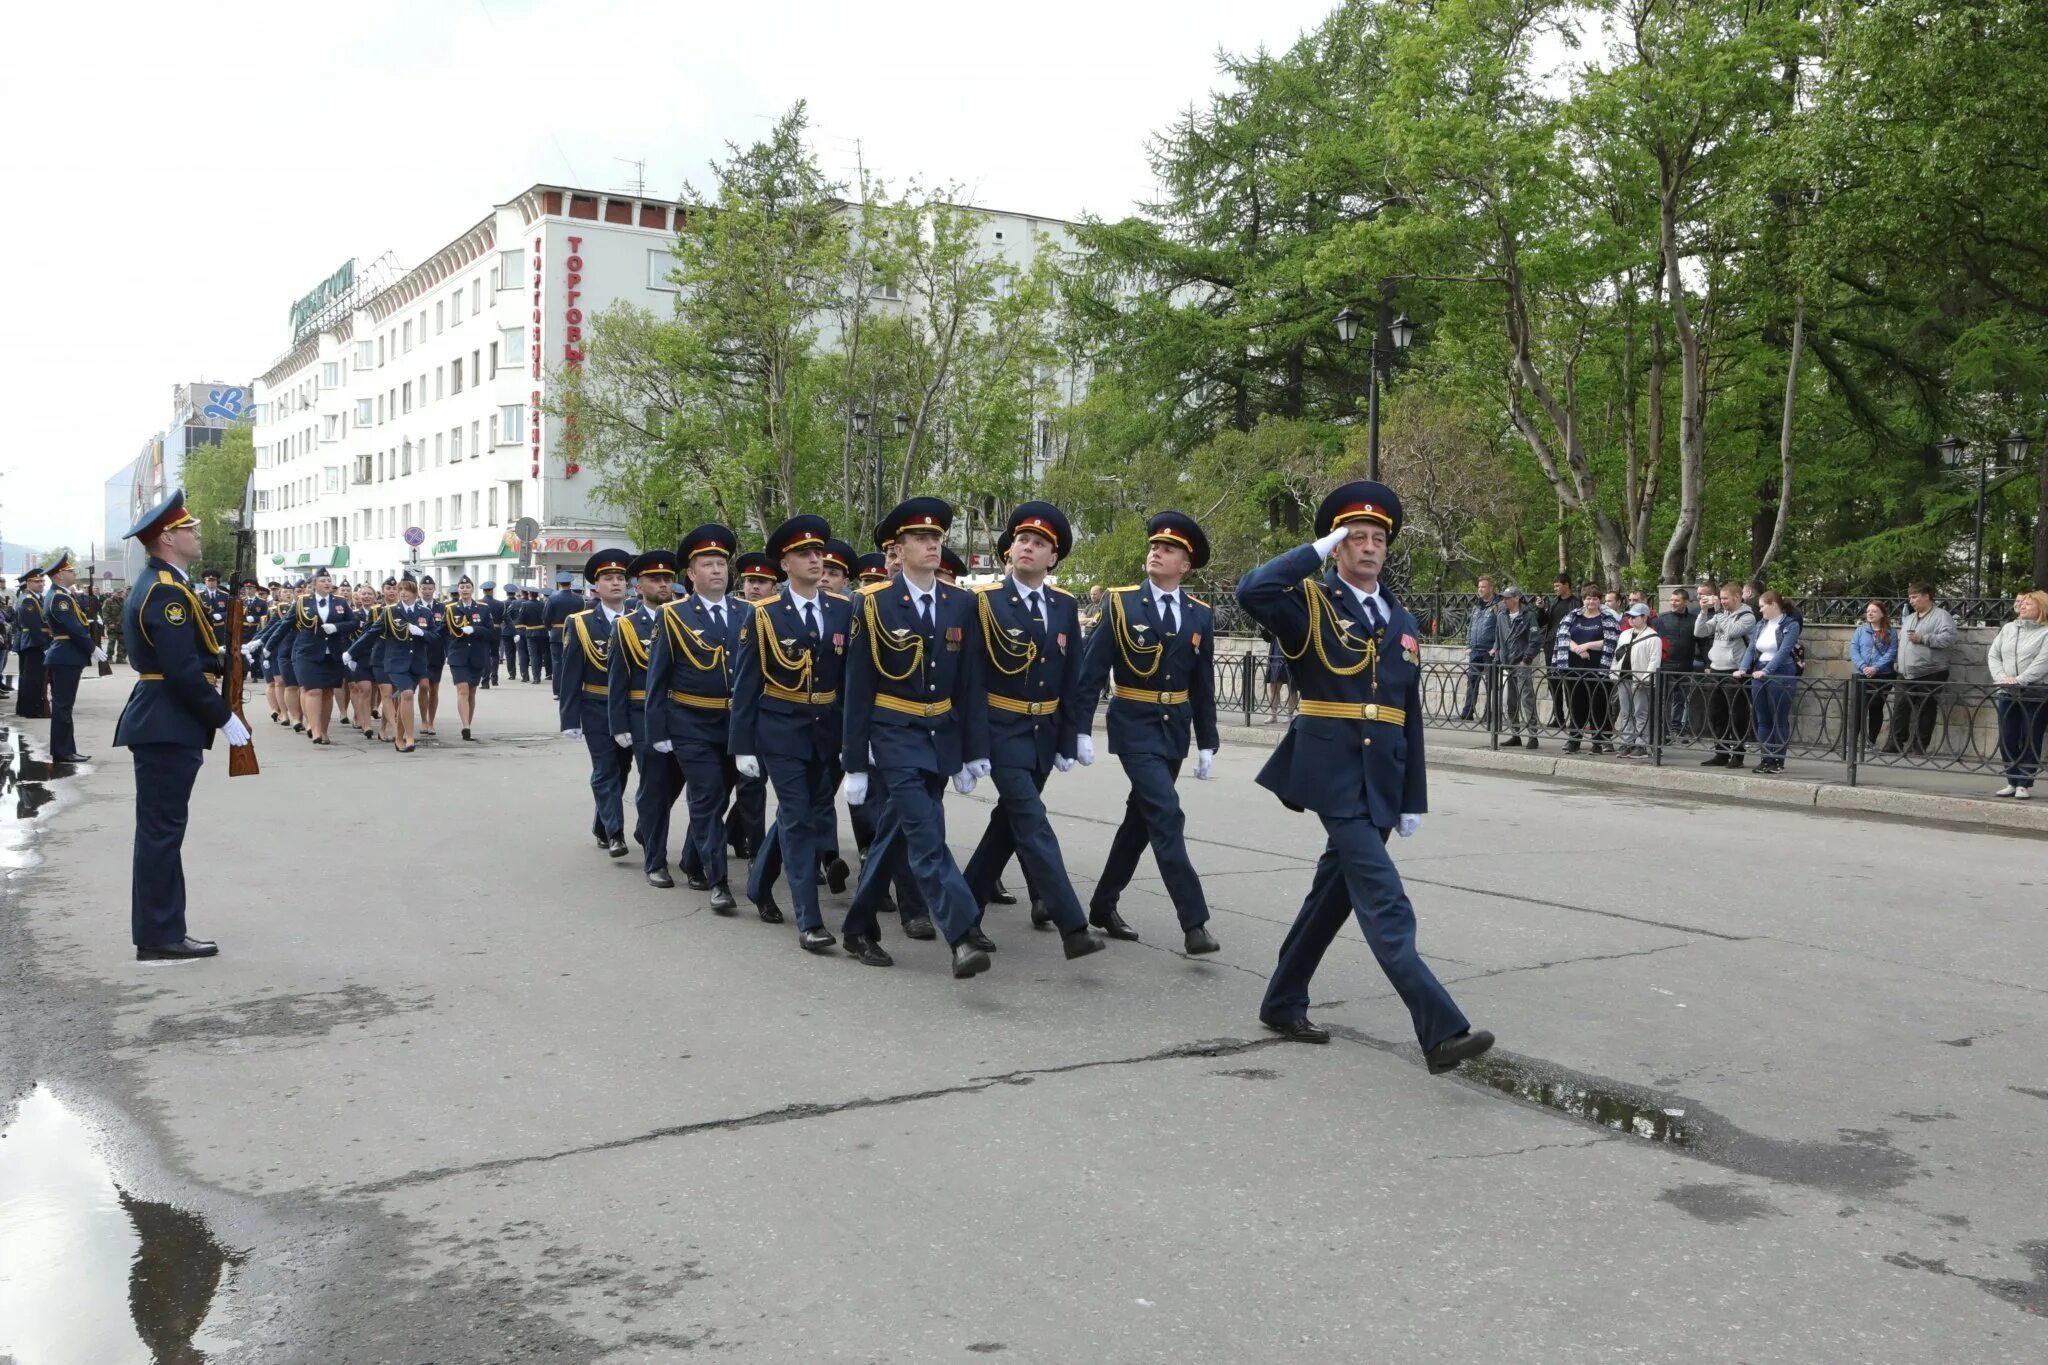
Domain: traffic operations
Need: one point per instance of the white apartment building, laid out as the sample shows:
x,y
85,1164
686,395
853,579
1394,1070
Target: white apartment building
x,y
416,403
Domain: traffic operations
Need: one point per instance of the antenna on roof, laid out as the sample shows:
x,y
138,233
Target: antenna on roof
x,y
639,174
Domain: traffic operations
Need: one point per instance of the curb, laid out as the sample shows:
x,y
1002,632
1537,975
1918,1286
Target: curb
x,y
2003,816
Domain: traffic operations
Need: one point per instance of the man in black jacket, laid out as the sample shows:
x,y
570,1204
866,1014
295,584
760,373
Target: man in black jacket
x,y
1563,602
1674,628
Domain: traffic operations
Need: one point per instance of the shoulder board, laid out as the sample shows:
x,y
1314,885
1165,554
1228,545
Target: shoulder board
x,y
1125,587
989,587
837,596
873,588
166,576
1057,591
1196,600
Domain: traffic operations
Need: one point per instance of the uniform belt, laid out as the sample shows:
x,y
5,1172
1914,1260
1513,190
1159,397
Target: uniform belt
x,y
150,677
594,689
781,693
903,707
694,699
1354,710
636,694
1150,698
1023,708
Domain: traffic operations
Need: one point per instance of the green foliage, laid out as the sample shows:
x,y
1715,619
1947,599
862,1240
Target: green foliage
x,y
215,479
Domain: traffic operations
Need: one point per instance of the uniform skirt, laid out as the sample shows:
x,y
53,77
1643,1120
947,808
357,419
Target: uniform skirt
x,y
403,669
318,670
288,668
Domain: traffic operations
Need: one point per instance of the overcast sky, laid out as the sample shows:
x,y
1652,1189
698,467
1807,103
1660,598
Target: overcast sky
x,y
177,174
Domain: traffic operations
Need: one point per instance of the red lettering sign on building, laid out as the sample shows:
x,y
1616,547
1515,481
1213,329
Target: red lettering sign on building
x,y
572,348
566,545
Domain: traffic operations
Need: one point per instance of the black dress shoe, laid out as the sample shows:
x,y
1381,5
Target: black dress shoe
x,y
1041,918
769,911
1717,761
836,873
1736,762
1111,923
466,734
1080,943
659,877
616,845
695,881
968,960
980,940
1001,895
919,929
1513,742
184,950
72,758
1298,1030
1463,1048
816,941
867,951
1200,940
1533,746
722,902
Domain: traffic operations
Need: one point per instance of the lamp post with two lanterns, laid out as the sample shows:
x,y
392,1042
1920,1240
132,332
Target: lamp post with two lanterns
x,y
1399,334
1952,448
863,420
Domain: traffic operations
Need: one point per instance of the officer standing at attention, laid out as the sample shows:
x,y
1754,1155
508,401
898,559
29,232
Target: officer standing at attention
x,y
1156,651
168,725
1031,642
31,642
561,605
494,618
626,684
71,649
582,701
1353,755
215,600
917,715
786,711
689,702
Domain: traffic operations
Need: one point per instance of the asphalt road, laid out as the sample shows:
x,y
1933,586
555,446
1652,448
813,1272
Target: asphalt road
x,y
1772,1086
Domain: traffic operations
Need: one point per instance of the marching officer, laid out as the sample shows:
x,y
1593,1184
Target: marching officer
x,y
582,700
873,568
563,603
1156,652
916,716
168,724
323,626
433,656
494,619
466,624
746,824
626,683
31,642
786,712
71,649
1353,755
689,702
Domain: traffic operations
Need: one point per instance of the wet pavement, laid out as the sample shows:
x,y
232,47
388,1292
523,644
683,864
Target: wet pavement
x,y
1770,1088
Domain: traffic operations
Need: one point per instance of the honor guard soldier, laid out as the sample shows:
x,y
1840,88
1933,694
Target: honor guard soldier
x,y
1353,755
746,825
626,684
466,624
689,701
787,713
952,568
1031,645
71,651
582,699
1156,652
917,715
840,561
255,612
215,600
323,627
553,617
168,724
873,569
31,644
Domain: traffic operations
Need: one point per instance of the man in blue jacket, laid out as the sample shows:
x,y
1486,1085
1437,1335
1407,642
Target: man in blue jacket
x,y
689,701
71,649
582,696
554,614
1353,755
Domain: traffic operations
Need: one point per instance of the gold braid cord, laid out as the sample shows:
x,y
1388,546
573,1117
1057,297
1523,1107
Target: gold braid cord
x,y
1319,612
636,648
595,651
994,640
902,641
1128,645
771,650
687,642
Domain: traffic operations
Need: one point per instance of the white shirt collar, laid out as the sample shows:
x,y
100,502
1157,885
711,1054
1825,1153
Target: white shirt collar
x,y
1361,597
801,600
712,603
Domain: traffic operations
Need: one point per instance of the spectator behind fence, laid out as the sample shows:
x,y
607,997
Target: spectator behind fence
x,y
1874,657
2019,667
1638,654
1522,644
1926,635
1563,602
1728,700
1482,644
1278,679
1584,649
1674,628
1772,666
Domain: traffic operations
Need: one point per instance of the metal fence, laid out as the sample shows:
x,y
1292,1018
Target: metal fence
x,y
1855,723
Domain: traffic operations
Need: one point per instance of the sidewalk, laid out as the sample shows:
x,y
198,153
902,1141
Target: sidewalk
x,y
1960,798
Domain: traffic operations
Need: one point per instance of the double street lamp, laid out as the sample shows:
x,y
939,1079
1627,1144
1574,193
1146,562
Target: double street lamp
x,y
1400,333
1952,450
862,420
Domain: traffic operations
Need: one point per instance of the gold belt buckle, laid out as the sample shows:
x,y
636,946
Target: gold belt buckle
x,y
1372,711
1163,699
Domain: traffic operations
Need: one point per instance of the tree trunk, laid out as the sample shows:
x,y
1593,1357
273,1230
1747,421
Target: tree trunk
x,y
1692,443
2041,519
1785,441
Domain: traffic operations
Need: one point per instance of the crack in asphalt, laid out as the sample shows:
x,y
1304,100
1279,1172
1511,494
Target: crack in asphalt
x,y
790,1113
1565,962
1522,1151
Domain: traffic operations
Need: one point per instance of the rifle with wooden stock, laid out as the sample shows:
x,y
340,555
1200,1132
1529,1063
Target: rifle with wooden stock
x,y
241,757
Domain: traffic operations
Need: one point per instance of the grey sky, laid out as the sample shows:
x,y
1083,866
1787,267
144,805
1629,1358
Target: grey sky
x,y
178,174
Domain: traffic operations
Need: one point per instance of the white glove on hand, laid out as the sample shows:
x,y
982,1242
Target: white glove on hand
x,y
99,656
237,733
416,630
328,628
1205,764
573,732
1063,763
856,788
981,767
1409,824
1330,541
664,746
469,630
1084,749
248,652
348,660
963,781
749,767
624,741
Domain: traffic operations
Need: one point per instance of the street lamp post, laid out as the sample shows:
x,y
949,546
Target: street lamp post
x,y
1399,334
1952,448
864,427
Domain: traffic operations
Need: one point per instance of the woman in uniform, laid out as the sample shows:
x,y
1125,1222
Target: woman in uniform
x,y
466,625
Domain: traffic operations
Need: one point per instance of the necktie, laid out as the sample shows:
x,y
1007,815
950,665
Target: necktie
x,y
1372,615
811,618
924,611
1037,614
1167,622
718,618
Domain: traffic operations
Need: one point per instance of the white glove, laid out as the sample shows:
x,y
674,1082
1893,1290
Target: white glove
x,y
348,659
980,767
1205,764
573,732
749,767
469,630
248,652
1409,824
963,781
624,741
99,656
1084,749
328,628
415,630
855,787
237,733
664,746
1330,541
1063,763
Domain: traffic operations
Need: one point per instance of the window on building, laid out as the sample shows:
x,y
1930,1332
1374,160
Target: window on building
x,y
492,507
476,439
408,517
366,354
439,525
476,503
476,297
405,459
455,445
406,331
511,421
440,449
515,500
330,374
511,269
330,427
440,381
440,316
476,374
455,375
494,360
405,392
364,408
455,307
380,523
661,263
511,339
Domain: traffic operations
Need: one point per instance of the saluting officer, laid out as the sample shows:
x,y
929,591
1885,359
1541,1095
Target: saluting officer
x,y
917,715
31,643
71,649
787,712
1353,755
466,624
168,724
1156,650
582,698
626,684
689,701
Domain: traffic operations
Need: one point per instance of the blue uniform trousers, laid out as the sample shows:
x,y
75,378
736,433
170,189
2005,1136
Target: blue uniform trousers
x,y
803,789
63,695
661,782
609,766
708,777
1355,871
1020,824
28,698
885,861
552,659
164,774
1152,814
746,825
918,817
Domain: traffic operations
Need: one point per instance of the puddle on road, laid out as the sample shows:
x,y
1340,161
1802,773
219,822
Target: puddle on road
x,y
25,792
90,1273
1639,1113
